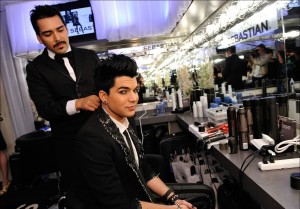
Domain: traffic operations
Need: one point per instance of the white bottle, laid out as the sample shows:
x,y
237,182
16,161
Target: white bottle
x,y
174,103
167,95
230,91
223,88
204,105
199,109
195,111
180,103
216,88
292,85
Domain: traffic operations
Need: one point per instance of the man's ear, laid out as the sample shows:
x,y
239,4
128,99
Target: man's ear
x,y
102,95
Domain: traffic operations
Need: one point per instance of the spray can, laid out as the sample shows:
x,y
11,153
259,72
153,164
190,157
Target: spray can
x,y
232,123
242,129
257,113
247,106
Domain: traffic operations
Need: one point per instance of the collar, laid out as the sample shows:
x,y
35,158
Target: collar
x,y
51,54
121,126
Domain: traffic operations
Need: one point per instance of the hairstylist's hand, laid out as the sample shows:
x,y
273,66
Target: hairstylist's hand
x,y
185,203
90,103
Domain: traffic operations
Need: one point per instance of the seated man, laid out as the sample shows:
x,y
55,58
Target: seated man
x,y
112,171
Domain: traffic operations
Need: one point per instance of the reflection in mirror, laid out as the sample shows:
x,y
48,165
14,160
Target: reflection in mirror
x,y
277,29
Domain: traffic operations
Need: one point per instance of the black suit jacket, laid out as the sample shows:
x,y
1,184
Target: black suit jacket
x,y
107,177
50,87
233,71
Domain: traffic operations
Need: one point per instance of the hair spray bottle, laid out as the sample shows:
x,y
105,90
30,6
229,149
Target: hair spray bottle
x,y
242,129
232,123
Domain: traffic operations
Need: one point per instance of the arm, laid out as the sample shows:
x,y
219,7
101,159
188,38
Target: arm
x,y
42,96
159,187
280,58
55,96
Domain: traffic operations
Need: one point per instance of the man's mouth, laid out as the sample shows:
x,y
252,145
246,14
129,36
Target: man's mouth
x,y
58,43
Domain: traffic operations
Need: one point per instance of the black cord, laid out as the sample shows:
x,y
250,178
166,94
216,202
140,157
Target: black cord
x,y
208,167
242,172
249,163
257,151
200,169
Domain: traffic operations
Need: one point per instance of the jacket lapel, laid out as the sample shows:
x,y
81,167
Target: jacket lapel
x,y
78,65
54,65
114,132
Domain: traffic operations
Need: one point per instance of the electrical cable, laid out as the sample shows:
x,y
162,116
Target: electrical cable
x,y
284,145
200,165
242,172
140,121
208,167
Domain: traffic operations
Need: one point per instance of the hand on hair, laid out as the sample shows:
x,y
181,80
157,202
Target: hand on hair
x,y
89,103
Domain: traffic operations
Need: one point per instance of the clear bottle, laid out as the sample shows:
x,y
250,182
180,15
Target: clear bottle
x,y
292,85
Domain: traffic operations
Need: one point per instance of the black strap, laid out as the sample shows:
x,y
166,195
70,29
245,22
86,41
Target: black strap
x,y
165,196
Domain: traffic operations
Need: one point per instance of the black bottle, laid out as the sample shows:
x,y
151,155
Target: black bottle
x,y
270,117
282,105
247,106
242,129
257,113
232,123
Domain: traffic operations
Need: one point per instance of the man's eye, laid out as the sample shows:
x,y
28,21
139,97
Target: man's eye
x,y
137,90
47,34
123,92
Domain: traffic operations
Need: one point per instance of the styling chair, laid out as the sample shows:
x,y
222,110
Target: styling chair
x,y
35,163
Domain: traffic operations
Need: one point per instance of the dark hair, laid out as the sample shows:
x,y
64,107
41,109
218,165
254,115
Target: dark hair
x,y
139,77
41,12
261,46
231,49
111,67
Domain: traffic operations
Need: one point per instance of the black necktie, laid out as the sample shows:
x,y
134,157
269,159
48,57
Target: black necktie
x,y
131,153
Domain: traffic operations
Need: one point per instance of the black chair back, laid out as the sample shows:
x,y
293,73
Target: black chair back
x,y
36,153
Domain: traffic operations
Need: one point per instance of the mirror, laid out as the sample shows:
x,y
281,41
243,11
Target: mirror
x,y
283,41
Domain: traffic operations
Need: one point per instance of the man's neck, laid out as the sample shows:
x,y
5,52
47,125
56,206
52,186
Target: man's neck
x,y
122,121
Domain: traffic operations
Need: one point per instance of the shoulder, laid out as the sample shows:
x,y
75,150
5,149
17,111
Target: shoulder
x,y
40,59
93,134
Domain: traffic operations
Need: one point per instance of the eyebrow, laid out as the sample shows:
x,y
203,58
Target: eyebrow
x,y
125,87
48,31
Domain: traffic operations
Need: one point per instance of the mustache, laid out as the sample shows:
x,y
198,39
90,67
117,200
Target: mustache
x,y
59,42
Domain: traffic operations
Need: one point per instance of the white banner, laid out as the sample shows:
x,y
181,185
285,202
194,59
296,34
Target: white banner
x,y
261,23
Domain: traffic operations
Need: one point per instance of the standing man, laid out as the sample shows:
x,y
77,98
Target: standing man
x,y
61,84
259,64
112,171
234,69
